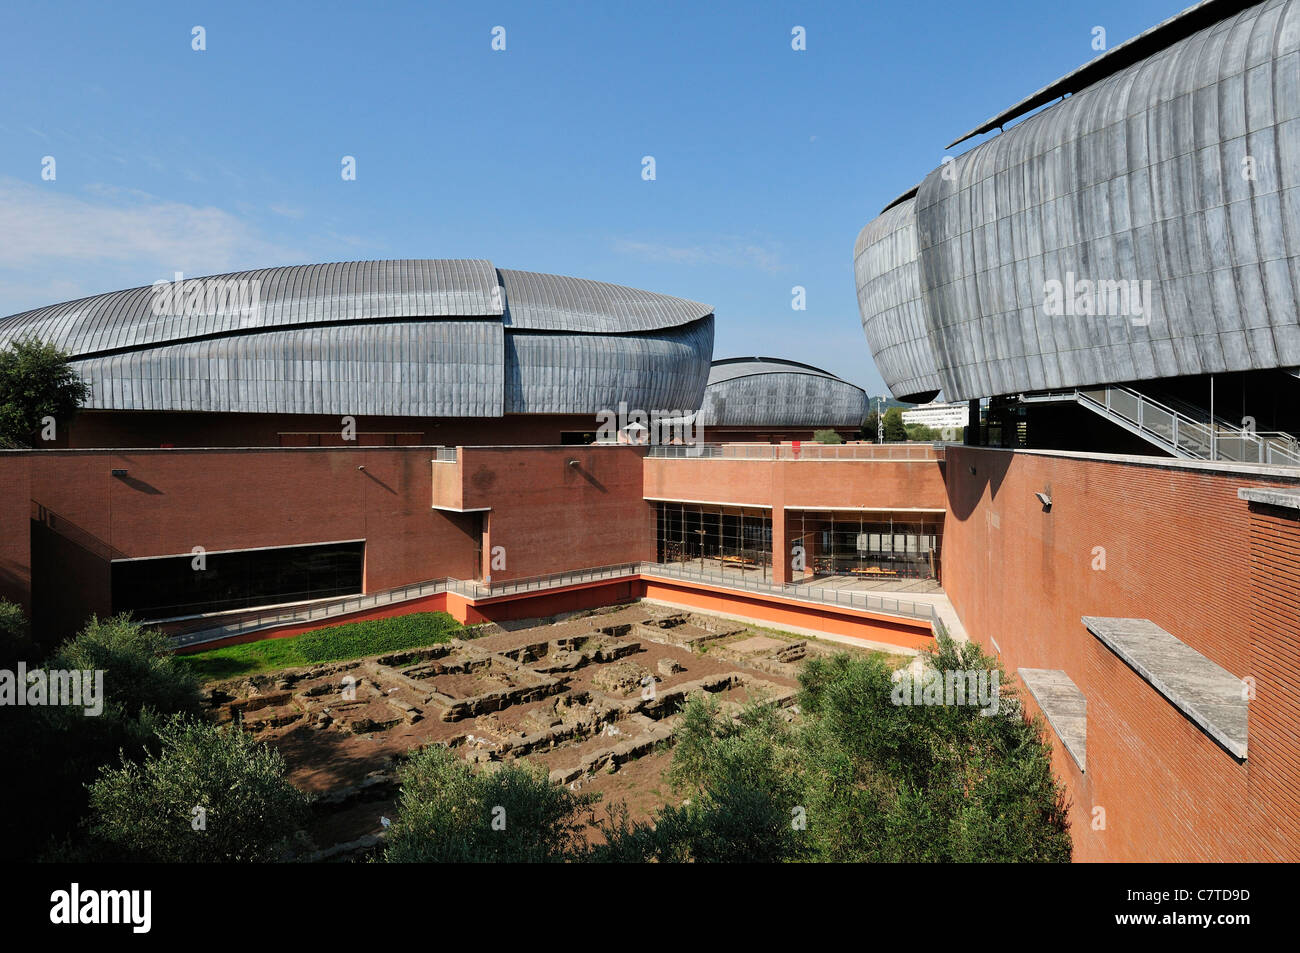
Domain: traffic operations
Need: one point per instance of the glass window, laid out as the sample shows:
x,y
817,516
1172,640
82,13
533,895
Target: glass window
x,y
171,586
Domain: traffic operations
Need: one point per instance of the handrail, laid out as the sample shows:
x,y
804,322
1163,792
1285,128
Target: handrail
x,y
478,590
805,451
845,597
308,613
1208,439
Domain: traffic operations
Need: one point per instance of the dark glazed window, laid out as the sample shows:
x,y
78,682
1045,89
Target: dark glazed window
x,y
171,586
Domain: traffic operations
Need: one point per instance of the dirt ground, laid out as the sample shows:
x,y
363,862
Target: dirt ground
x,y
593,698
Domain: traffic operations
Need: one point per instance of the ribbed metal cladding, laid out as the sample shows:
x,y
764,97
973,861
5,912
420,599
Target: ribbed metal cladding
x,y
287,296
558,303
399,338
1136,178
588,373
888,273
446,368
772,393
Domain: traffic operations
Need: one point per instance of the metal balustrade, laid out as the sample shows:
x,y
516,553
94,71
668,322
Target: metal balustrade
x,y
806,592
805,451
1176,431
273,618
319,611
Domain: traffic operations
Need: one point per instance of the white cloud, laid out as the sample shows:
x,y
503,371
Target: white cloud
x,y
109,238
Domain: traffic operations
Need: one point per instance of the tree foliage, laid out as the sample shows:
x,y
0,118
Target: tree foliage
x,y
858,778
139,670
895,432
827,436
448,813
15,636
53,752
36,381
871,426
212,794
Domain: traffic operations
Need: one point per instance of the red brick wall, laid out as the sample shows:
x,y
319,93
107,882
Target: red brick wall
x,y
1178,550
15,537
553,517
173,500
861,484
1274,780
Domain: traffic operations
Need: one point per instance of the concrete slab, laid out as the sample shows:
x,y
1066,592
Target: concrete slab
x,y
1271,496
1205,691
1064,706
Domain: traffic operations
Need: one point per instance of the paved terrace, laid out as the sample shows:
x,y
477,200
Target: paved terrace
x,y
928,606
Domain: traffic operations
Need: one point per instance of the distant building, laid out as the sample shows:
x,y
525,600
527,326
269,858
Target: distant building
x,y
938,416
1107,271
769,399
402,352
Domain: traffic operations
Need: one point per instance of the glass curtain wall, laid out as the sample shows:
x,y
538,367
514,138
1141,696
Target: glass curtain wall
x,y
727,539
869,545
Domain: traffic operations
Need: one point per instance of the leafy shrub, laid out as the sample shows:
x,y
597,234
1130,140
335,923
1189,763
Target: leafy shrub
x,y
827,436
139,670
448,812
147,811
871,780
15,637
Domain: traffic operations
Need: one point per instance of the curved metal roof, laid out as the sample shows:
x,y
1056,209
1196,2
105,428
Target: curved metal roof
x,y
1134,186
566,373
451,368
771,392
730,368
887,266
1145,44
346,292
287,296
543,302
425,338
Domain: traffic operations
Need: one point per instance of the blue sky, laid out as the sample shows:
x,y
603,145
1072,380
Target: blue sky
x,y
768,161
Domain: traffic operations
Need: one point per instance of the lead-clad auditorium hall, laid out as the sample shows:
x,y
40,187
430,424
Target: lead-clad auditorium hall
x,y
1120,523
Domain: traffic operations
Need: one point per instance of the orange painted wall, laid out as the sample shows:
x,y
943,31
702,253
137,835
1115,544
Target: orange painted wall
x,y
781,612
533,605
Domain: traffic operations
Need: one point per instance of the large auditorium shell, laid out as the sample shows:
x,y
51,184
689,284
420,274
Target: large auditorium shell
x,y
428,339
767,396
1173,160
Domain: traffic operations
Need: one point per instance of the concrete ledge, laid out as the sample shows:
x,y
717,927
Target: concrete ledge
x,y
1204,691
1064,706
1270,496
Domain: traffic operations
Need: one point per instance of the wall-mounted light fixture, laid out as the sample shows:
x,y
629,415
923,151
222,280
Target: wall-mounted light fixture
x,y
573,463
1045,500
360,468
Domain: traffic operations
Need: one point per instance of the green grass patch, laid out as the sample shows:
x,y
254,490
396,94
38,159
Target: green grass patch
x,y
334,644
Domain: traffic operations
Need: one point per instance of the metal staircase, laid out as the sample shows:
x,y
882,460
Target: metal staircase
x,y
1183,431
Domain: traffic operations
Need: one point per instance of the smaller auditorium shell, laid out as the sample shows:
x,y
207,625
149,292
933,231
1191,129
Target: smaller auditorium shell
x,y
410,338
773,393
1170,167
